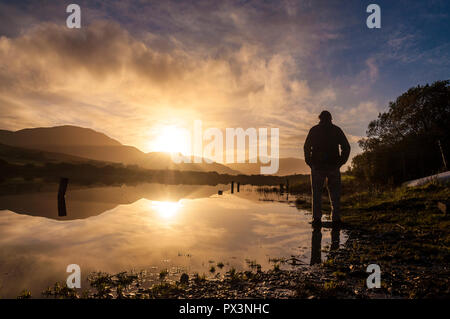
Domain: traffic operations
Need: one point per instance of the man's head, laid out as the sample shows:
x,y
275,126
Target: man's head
x,y
325,117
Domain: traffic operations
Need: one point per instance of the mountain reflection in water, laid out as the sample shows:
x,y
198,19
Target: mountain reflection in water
x,y
153,227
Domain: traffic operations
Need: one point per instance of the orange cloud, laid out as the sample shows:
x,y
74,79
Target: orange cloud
x,y
103,77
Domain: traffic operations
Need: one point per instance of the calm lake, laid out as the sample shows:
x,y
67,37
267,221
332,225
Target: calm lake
x,y
152,227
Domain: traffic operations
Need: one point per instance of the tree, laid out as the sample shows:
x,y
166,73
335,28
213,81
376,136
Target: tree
x,y
403,143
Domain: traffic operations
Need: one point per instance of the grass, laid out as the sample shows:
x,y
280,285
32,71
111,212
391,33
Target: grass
x,y
400,229
252,264
198,279
163,273
184,279
60,291
408,213
163,290
25,294
404,232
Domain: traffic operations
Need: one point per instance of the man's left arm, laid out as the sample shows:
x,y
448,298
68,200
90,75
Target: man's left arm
x,y
345,148
307,149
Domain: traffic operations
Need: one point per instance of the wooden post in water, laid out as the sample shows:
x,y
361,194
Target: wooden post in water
x,y
232,187
238,186
63,181
287,189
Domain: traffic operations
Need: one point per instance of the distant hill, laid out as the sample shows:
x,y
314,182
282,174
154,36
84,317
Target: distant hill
x,y
287,166
89,144
159,160
57,136
21,155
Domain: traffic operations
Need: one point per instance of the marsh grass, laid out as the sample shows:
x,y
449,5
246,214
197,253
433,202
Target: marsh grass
x,y
198,279
24,294
252,264
163,273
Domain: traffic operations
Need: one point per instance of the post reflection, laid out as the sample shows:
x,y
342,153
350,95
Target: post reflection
x,y
62,211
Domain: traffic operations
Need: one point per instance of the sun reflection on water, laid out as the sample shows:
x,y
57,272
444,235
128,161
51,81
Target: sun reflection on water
x,y
166,210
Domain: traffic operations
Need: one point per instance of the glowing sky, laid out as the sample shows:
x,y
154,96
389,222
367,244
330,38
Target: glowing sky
x,y
137,67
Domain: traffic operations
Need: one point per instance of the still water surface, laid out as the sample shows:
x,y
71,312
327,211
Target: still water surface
x,y
151,227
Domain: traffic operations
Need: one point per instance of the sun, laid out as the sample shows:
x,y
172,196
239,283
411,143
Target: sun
x,y
172,139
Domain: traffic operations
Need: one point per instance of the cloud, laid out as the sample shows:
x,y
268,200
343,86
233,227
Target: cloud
x,y
134,67
372,69
104,77
353,116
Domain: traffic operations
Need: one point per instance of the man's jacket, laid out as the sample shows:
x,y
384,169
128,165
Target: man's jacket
x,y
322,147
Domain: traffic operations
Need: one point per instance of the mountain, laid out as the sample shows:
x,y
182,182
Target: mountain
x,y
58,136
164,161
89,144
287,166
20,155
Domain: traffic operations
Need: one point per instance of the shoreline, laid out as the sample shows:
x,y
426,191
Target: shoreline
x,y
401,230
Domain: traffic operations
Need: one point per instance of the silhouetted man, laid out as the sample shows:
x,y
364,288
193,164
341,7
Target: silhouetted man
x,y
323,156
